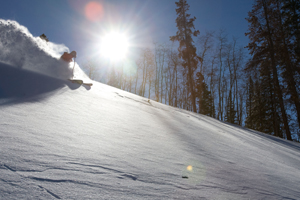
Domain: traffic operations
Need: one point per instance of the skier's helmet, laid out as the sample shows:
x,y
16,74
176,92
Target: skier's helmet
x,y
73,53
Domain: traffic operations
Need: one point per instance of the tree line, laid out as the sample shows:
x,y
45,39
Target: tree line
x,y
212,74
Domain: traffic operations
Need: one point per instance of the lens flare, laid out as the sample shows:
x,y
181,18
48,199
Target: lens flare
x,y
194,171
93,11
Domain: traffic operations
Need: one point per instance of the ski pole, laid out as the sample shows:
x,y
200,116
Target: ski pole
x,y
73,68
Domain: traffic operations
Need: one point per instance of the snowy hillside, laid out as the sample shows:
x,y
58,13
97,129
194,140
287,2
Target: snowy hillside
x,y
60,140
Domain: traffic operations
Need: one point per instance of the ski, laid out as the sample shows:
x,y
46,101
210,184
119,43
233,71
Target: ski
x,y
80,81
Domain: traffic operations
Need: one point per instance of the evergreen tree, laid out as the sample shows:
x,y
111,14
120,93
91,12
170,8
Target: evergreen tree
x,y
287,47
291,22
262,104
205,100
249,104
263,50
187,50
230,115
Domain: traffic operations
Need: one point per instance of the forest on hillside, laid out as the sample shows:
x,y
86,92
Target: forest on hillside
x,y
257,86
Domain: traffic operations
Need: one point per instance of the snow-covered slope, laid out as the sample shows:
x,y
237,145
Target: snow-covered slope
x,y
59,140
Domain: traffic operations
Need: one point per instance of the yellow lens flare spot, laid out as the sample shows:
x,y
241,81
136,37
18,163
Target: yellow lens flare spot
x,y
194,171
190,168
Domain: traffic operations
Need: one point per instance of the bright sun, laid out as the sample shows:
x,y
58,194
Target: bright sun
x,y
114,46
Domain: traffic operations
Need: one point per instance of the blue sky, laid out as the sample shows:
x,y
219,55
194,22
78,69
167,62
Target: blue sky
x,y
144,21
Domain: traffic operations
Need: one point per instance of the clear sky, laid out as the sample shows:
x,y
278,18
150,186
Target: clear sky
x,y
144,21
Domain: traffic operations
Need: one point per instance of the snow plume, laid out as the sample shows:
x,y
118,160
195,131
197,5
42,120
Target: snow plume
x,y
19,48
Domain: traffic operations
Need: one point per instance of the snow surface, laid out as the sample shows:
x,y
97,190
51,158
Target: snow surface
x,y
60,140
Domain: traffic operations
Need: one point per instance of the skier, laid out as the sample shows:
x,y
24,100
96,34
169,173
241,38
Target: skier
x,y
68,56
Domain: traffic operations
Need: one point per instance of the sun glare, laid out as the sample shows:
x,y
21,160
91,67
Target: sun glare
x,y
114,46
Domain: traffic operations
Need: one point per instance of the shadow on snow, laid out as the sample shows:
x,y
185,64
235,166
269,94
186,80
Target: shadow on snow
x,y
18,85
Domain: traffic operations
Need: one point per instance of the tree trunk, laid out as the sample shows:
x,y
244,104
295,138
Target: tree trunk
x,y
275,75
137,76
220,86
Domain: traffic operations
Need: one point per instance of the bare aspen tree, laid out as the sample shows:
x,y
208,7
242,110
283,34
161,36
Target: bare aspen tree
x,y
222,40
